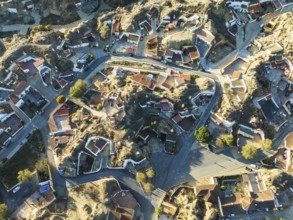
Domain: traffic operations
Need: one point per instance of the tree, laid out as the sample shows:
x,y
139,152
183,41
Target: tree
x,y
42,165
203,135
249,151
78,89
104,31
140,177
265,144
150,173
148,187
228,140
219,142
99,107
3,211
24,175
60,99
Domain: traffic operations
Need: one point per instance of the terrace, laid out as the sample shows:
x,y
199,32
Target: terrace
x,y
12,124
238,64
185,122
96,144
85,163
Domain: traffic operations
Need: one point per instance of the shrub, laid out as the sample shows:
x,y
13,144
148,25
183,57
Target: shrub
x,y
203,135
99,107
219,142
150,173
140,177
24,175
223,187
78,89
3,211
249,151
60,99
148,187
228,140
266,144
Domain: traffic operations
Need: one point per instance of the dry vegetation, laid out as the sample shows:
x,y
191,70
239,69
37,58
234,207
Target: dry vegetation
x,y
88,201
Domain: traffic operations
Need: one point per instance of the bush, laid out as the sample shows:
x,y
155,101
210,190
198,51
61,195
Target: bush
x,y
104,31
249,152
266,144
203,135
60,99
3,211
228,140
24,175
140,177
219,142
150,174
223,187
99,107
78,89
42,165
148,187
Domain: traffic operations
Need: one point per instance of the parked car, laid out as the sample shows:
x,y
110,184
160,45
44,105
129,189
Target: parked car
x,y
16,189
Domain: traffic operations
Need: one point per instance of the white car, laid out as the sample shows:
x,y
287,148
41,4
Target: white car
x,y
16,189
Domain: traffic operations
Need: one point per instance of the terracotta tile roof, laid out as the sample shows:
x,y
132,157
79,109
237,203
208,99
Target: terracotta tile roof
x,y
52,125
254,8
116,26
216,118
38,62
14,98
208,192
63,111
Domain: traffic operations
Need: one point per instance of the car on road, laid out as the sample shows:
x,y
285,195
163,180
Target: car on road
x,y
16,189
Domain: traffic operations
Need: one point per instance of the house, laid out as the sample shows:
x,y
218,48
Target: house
x,y
83,42
20,91
125,205
81,63
207,192
130,37
115,28
164,105
153,12
279,62
172,55
274,48
11,123
185,122
238,5
190,54
41,198
206,36
32,65
61,131
151,81
97,144
204,41
145,24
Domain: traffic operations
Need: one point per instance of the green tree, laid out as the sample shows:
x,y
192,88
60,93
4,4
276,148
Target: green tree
x,y
148,187
60,99
140,177
249,151
265,144
99,107
24,175
3,211
42,165
159,211
219,142
228,140
150,173
78,89
203,135
104,31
